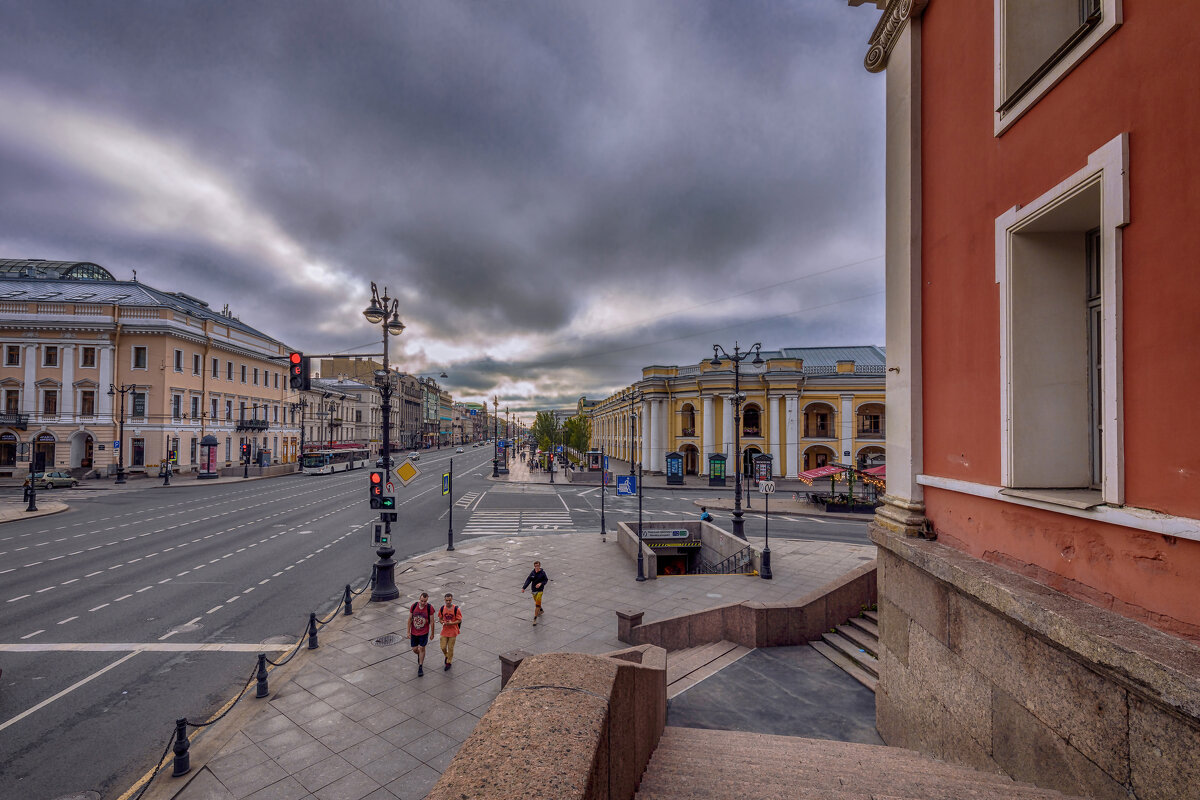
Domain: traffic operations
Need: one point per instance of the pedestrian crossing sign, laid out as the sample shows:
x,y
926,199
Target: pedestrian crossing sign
x,y
445,483
626,484
406,473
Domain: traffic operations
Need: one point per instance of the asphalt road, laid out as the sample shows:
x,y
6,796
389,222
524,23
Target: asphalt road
x,y
92,599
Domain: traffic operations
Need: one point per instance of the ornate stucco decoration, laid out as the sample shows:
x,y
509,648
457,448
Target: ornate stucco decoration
x,y
884,37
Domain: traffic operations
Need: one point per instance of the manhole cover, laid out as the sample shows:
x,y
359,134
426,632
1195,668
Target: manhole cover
x,y
387,640
487,561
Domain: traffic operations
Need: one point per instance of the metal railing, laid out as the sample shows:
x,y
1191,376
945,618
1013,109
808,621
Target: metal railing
x,y
736,564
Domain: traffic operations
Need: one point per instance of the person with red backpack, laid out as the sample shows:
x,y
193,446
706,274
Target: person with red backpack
x,y
420,625
450,616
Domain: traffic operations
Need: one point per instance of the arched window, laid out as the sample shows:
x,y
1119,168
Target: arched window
x,y
689,420
751,421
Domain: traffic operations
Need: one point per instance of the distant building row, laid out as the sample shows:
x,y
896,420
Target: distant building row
x,y
82,351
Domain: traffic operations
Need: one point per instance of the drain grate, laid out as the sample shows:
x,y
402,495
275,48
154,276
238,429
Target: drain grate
x,y
387,640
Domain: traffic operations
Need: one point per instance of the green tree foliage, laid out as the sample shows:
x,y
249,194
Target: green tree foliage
x,y
578,430
546,430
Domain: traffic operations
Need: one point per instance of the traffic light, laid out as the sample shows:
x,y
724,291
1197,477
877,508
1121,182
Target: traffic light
x,y
298,372
245,452
376,489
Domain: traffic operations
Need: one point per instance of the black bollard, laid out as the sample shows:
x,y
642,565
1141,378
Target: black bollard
x,y
349,603
312,631
183,761
262,690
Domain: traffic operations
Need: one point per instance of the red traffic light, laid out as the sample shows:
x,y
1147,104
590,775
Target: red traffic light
x,y
376,477
295,358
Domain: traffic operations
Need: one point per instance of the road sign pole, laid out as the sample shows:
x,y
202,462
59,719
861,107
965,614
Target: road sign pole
x,y
450,494
603,472
765,571
641,576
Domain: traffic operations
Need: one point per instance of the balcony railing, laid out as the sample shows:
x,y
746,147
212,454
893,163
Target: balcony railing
x,y
872,434
18,421
253,425
689,432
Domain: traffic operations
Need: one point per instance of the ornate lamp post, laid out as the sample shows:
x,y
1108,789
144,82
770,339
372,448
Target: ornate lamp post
x,y
737,358
112,391
383,311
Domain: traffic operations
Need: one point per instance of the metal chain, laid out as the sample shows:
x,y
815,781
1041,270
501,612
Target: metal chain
x,y
160,764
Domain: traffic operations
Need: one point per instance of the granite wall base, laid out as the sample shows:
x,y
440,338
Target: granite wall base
x,y
984,667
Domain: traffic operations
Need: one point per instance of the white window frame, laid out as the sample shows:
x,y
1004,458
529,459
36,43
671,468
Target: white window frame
x,y
176,407
95,401
20,350
1110,20
46,350
1109,167
197,363
178,361
43,394
95,357
133,353
216,369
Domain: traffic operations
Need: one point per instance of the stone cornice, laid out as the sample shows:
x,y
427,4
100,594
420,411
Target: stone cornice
x,y
891,24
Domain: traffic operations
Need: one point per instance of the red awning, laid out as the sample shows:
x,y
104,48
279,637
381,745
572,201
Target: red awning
x,y
879,472
808,476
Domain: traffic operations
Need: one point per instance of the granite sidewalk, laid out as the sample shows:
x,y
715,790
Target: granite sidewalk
x,y
353,720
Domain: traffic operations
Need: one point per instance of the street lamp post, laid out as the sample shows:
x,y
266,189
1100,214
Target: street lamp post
x,y
113,390
603,479
737,358
383,311
633,397
495,436
641,576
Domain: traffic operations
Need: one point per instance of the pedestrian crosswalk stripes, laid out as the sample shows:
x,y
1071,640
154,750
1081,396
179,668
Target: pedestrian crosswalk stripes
x,y
514,522
467,499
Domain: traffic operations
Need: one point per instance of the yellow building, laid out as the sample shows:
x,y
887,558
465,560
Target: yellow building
x,y
80,347
804,406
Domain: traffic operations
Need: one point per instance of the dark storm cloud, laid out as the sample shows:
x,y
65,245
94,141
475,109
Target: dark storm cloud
x,y
543,178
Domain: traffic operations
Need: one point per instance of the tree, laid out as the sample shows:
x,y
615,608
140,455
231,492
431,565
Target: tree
x,y
578,432
546,430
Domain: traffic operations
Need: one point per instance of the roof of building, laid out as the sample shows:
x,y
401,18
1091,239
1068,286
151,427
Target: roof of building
x,y
41,268
830,356
79,282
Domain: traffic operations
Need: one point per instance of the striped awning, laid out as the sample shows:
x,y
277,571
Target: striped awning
x,y
828,471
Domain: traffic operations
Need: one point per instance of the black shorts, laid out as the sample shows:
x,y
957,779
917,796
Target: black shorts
x,y
418,641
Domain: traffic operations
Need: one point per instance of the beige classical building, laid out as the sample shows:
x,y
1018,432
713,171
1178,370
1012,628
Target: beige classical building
x,y
84,353
804,406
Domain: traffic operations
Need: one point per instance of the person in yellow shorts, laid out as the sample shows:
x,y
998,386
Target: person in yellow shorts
x,y
450,616
537,580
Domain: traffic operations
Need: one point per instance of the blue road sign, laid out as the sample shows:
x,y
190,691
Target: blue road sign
x,y
116,445
606,463
627,484
559,448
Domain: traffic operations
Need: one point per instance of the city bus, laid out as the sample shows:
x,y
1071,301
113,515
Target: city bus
x,y
325,462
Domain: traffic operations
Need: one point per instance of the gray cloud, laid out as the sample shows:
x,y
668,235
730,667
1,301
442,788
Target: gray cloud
x,y
548,178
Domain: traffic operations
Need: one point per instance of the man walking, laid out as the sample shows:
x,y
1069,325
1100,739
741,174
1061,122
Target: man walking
x,y
450,616
420,625
537,580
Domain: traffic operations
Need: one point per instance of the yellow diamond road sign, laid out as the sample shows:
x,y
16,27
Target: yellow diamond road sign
x,y
406,472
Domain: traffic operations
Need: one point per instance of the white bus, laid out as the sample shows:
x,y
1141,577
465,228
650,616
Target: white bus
x,y
325,462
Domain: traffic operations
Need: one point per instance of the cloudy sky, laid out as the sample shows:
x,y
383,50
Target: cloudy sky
x,y
559,192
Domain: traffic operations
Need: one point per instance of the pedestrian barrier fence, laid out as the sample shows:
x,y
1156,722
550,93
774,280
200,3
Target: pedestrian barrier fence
x,y
178,741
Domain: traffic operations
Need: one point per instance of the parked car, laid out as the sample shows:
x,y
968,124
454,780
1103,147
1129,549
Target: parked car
x,y
414,456
53,480
459,450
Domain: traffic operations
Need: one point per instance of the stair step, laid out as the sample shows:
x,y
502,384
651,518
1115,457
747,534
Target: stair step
x,y
861,638
753,766
866,625
853,651
872,615
849,665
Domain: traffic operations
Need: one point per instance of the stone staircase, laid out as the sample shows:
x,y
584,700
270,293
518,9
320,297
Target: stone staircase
x,y
854,646
697,764
686,668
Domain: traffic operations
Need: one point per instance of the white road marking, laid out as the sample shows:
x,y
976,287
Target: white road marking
x,y
15,599
97,608
68,619
214,608
67,691
122,597
31,635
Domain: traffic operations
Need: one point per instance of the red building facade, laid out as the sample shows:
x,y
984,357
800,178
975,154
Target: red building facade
x,y
1040,545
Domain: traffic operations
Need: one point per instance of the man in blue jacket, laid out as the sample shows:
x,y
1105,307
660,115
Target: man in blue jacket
x,y
537,579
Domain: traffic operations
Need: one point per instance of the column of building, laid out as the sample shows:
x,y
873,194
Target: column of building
x,y
710,433
846,428
773,416
791,451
